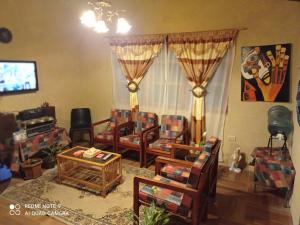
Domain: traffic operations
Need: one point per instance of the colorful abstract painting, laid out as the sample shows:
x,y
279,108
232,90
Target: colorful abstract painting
x,y
265,73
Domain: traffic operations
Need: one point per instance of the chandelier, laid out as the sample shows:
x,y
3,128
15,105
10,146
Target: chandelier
x,y
101,17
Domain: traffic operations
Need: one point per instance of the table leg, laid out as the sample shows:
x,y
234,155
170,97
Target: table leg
x,y
120,166
103,191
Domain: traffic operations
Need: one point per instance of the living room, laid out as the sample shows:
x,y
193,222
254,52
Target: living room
x,y
75,67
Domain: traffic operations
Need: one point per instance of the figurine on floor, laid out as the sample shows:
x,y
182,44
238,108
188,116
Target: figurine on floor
x,y
236,158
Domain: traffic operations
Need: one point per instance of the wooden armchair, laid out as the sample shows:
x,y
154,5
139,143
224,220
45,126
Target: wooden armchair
x,y
181,174
108,136
144,122
173,129
188,201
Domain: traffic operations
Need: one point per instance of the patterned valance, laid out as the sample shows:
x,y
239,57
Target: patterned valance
x,y
203,36
149,39
200,52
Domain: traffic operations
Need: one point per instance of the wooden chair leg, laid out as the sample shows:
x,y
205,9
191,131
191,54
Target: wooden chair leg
x,y
71,136
136,203
117,148
145,159
195,213
214,192
91,138
136,214
141,158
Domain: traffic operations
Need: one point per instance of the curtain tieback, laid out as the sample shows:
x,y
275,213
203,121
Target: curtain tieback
x,y
198,91
132,86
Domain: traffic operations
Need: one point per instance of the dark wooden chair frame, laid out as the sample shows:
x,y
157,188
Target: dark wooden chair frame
x,y
213,172
200,195
160,152
128,146
103,141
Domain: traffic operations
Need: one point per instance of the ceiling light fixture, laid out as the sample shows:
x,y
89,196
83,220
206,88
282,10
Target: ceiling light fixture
x,y
102,16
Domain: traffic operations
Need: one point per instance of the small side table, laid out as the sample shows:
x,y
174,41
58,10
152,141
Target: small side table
x,y
274,171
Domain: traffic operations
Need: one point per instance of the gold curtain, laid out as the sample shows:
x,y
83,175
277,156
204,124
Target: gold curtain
x,y
200,54
135,55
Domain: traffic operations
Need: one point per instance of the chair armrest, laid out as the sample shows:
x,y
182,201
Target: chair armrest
x,y
181,133
128,124
182,189
146,133
100,122
187,147
180,147
122,125
159,161
96,124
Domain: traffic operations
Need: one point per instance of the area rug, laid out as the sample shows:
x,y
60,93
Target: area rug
x,y
43,196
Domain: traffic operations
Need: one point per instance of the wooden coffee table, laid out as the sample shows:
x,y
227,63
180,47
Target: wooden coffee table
x,y
94,173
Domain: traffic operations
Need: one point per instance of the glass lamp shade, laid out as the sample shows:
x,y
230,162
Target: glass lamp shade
x,y
88,18
123,26
101,27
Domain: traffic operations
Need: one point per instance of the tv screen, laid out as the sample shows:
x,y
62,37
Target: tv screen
x,y
18,76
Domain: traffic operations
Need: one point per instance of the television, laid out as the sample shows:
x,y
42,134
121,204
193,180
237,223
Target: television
x,y
18,77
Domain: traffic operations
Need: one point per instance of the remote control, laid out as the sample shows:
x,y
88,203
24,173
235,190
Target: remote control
x,y
106,157
99,156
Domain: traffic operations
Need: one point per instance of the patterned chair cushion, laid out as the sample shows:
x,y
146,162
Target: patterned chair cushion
x,y
119,116
131,139
208,147
163,144
175,202
135,138
177,173
144,120
196,169
171,126
106,135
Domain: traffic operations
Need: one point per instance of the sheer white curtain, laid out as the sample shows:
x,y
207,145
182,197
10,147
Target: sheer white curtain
x,y
164,89
217,97
120,91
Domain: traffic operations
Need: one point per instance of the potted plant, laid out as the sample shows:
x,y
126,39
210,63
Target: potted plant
x,y
32,168
152,215
50,159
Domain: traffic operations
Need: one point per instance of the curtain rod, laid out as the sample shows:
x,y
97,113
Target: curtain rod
x,y
240,29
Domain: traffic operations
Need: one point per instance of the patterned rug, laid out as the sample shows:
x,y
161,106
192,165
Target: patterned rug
x,y
43,196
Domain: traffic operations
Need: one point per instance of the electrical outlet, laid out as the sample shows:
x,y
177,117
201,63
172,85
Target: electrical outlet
x,y
232,138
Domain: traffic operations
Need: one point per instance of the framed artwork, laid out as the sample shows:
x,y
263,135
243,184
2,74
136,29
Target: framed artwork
x,y
265,73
